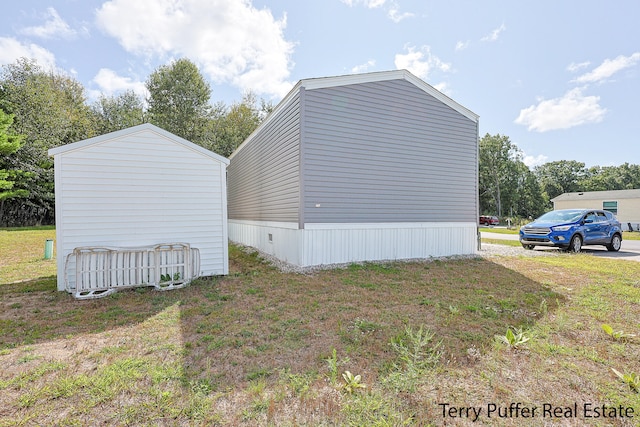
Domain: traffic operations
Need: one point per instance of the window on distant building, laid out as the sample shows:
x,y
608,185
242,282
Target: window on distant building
x,y
611,207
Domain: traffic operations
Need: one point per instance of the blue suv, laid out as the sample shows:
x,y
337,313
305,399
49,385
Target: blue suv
x,y
570,229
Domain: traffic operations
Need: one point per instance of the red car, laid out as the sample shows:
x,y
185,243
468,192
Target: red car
x,y
489,220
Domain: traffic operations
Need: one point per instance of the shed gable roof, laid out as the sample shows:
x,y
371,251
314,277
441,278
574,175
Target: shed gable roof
x,y
598,195
352,79
146,127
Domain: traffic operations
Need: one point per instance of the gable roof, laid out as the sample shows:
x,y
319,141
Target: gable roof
x,y
598,195
145,127
352,79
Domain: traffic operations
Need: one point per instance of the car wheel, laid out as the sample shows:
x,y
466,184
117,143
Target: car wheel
x,y
528,247
576,244
615,244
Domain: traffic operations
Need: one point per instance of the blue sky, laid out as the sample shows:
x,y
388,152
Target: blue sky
x,y
560,78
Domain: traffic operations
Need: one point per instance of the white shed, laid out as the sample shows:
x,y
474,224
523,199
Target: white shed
x,y
146,193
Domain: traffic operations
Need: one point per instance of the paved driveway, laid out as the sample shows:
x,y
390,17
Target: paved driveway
x,y
630,249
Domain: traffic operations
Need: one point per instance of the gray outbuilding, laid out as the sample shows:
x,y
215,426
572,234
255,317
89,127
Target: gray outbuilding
x,y
359,167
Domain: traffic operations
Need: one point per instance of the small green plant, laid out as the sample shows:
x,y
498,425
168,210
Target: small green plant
x,y
352,382
453,310
617,335
415,350
167,277
632,380
333,363
543,307
513,338
416,355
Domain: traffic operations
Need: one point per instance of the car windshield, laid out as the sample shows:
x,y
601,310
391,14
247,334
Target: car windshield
x,y
561,216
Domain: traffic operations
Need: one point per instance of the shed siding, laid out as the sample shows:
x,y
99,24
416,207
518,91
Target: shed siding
x,y
387,152
142,189
264,175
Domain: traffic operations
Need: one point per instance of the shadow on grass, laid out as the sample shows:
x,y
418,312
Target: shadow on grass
x,y
259,324
35,311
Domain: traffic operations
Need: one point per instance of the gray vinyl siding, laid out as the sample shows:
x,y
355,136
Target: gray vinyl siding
x,y
386,152
263,176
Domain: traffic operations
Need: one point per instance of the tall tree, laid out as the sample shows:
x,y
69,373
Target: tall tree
x,y
9,144
563,176
49,110
231,126
529,200
498,173
179,100
601,178
118,112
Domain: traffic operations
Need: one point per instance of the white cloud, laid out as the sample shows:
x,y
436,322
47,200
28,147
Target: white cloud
x,y
444,88
371,4
392,8
364,67
110,83
11,50
572,109
573,67
230,40
493,35
609,67
54,27
462,45
396,16
420,62
533,161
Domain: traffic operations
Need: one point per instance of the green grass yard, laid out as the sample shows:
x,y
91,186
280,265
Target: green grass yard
x,y
262,347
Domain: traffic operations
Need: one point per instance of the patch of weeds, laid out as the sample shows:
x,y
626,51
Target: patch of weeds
x,y
416,354
257,408
254,291
507,305
426,301
297,383
513,338
357,331
67,386
472,308
15,305
256,373
112,349
116,377
594,302
28,358
631,379
374,410
333,364
197,406
216,344
201,386
352,382
22,380
366,326
617,335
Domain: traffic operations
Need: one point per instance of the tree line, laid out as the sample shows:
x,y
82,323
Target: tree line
x,y
509,188
41,109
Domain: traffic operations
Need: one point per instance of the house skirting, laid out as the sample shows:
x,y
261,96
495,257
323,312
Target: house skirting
x,y
319,244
